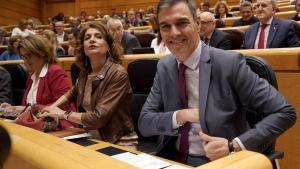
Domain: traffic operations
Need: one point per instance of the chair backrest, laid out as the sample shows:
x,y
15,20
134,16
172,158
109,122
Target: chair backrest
x,y
141,74
19,75
236,38
75,70
145,39
264,70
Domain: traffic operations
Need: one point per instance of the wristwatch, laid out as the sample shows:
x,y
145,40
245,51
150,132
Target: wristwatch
x,y
67,114
230,147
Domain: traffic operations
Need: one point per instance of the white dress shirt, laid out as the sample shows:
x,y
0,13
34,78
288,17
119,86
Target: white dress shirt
x,y
267,29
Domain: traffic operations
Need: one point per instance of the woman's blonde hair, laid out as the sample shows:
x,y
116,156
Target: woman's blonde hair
x,y
37,45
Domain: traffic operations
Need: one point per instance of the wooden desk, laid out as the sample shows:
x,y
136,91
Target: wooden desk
x,y
32,149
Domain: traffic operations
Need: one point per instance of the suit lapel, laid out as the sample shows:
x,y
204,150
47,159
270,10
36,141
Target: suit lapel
x,y
173,75
204,81
253,38
273,29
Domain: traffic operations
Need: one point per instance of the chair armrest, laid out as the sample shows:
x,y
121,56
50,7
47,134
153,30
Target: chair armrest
x,y
275,155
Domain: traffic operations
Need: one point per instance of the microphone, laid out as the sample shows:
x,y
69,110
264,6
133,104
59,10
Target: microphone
x,y
5,145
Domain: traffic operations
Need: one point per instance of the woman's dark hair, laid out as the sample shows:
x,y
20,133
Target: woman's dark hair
x,y
12,40
114,53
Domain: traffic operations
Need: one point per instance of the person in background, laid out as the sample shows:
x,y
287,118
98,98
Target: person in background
x,y
132,18
270,32
83,16
127,40
59,17
197,102
4,37
61,35
157,44
210,35
21,29
5,86
247,15
204,6
12,50
48,81
222,10
102,92
297,8
52,42
72,50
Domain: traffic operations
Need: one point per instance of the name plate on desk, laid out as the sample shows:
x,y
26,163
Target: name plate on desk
x,y
71,133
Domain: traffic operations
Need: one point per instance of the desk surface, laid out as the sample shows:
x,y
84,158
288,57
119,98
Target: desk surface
x,y
33,149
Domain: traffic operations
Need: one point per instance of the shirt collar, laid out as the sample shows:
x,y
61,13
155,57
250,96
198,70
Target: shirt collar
x,y
42,73
193,60
269,21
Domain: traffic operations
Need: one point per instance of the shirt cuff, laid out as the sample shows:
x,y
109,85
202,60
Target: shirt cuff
x,y
175,125
240,143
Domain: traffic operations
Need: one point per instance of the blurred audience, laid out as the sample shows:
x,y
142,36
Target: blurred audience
x,y
204,6
222,10
61,35
210,35
59,17
4,37
12,50
247,15
73,44
53,44
5,86
297,8
127,40
22,29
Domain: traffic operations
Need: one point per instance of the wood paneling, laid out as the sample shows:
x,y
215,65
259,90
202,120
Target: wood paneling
x,y
14,10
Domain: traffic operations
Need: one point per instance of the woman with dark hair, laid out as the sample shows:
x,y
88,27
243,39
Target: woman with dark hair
x,y
222,10
102,91
11,53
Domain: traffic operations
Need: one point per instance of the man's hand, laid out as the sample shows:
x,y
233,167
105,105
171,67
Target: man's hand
x,y
187,115
214,147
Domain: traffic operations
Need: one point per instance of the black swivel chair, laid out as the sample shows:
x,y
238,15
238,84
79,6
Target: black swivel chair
x,y
265,71
141,74
19,75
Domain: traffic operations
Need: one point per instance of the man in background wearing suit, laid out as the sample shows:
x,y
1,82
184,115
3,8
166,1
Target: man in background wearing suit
x,y
210,35
247,15
199,93
127,40
5,86
270,32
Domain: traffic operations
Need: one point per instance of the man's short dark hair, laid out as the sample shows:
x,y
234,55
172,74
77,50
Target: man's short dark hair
x,y
246,4
190,3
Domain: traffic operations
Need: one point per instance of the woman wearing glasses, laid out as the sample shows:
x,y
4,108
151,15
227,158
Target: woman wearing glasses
x,y
102,91
48,81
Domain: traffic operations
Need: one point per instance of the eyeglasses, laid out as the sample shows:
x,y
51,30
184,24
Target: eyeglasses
x,y
27,56
205,22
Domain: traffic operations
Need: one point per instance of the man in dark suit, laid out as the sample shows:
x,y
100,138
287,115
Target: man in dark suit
x,y
270,32
247,15
199,93
61,35
5,86
127,40
210,34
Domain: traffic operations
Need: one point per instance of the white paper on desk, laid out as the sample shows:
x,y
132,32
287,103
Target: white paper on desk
x,y
175,167
144,161
82,135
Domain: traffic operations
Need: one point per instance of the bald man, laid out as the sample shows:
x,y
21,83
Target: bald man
x,y
127,40
210,35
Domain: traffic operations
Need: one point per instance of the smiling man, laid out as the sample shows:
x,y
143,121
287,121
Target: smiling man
x,y
199,93
270,32
247,15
